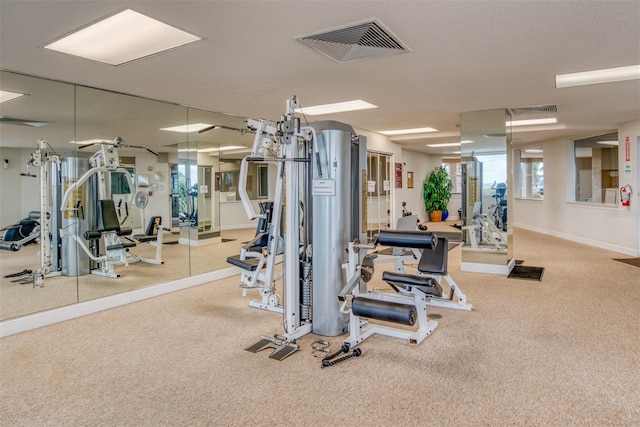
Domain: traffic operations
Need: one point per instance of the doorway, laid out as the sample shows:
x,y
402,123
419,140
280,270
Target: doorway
x,y
378,192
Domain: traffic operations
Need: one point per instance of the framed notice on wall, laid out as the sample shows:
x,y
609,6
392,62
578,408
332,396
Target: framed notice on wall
x,y
409,179
398,175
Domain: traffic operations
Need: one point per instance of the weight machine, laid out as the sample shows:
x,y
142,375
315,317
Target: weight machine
x,y
320,169
103,222
47,219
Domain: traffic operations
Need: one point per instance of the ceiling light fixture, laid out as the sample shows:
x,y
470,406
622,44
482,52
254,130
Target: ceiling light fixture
x,y
89,141
607,142
226,148
449,144
607,75
191,127
5,95
547,121
122,38
407,131
338,107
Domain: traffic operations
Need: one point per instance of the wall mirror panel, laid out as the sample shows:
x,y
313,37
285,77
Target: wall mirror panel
x,y
105,116
486,194
46,110
89,129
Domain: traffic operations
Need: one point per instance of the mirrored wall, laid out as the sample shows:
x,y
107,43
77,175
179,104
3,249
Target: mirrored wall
x,y
165,193
486,191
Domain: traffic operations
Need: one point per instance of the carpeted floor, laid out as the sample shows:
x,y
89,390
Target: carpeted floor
x,y
555,352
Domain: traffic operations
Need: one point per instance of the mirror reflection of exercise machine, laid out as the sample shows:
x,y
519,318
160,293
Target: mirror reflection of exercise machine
x,y
487,230
107,243
47,219
482,231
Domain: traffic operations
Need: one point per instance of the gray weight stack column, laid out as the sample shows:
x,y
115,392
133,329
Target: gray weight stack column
x,y
75,262
335,220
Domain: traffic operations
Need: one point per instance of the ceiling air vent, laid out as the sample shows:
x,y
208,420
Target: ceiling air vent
x,y
361,40
535,109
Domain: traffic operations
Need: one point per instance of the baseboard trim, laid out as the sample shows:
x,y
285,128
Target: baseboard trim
x,y
72,311
578,239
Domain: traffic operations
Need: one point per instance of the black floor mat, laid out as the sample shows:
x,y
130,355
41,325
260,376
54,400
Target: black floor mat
x,y
526,273
630,261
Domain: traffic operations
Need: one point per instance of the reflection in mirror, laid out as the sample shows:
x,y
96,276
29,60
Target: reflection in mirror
x,y
597,169
530,179
123,192
486,195
139,190
30,248
220,225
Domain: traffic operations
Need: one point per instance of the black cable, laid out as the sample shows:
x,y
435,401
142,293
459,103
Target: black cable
x,y
355,353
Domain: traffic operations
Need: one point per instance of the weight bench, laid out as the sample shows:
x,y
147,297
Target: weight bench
x,y
414,292
432,268
407,306
25,231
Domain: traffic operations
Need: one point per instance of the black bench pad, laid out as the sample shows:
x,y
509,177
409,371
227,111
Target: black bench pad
x,y
145,237
407,239
426,284
249,264
435,261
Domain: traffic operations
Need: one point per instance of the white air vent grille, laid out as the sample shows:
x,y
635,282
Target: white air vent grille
x,y
535,109
356,41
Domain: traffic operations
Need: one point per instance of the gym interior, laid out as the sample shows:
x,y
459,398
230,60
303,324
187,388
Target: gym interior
x,y
190,244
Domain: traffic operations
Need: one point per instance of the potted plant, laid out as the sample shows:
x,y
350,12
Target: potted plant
x,y
436,192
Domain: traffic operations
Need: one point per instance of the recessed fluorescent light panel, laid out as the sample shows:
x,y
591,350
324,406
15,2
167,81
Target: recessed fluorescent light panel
x,y
548,121
407,131
226,148
449,144
192,127
607,75
338,107
89,141
8,96
122,38
607,142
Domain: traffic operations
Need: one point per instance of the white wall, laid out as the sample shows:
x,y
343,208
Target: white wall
x,y
19,195
159,200
611,227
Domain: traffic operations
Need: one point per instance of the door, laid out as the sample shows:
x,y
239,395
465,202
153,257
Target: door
x,y
378,192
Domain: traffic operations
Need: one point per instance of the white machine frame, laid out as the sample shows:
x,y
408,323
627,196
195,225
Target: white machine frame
x,y
359,328
444,280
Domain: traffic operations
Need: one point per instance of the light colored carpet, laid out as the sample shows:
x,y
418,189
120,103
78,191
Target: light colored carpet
x,y
561,351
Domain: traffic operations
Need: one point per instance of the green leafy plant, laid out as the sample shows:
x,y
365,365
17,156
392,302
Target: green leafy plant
x,y
436,190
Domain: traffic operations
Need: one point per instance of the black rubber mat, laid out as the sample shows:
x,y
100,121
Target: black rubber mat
x,y
526,273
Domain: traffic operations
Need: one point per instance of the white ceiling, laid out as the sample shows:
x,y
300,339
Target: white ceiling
x,y
465,56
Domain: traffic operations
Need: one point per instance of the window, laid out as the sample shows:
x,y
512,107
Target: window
x,y
531,173
596,161
263,181
454,169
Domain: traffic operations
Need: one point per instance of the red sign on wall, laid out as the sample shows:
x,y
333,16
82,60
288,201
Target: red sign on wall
x,y
627,150
398,175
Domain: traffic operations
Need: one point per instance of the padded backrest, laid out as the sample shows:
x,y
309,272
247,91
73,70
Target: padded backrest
x,y
435,261
107,216
152,227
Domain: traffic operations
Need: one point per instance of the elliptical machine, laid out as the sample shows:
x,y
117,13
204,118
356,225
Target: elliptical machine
x,y
498,211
